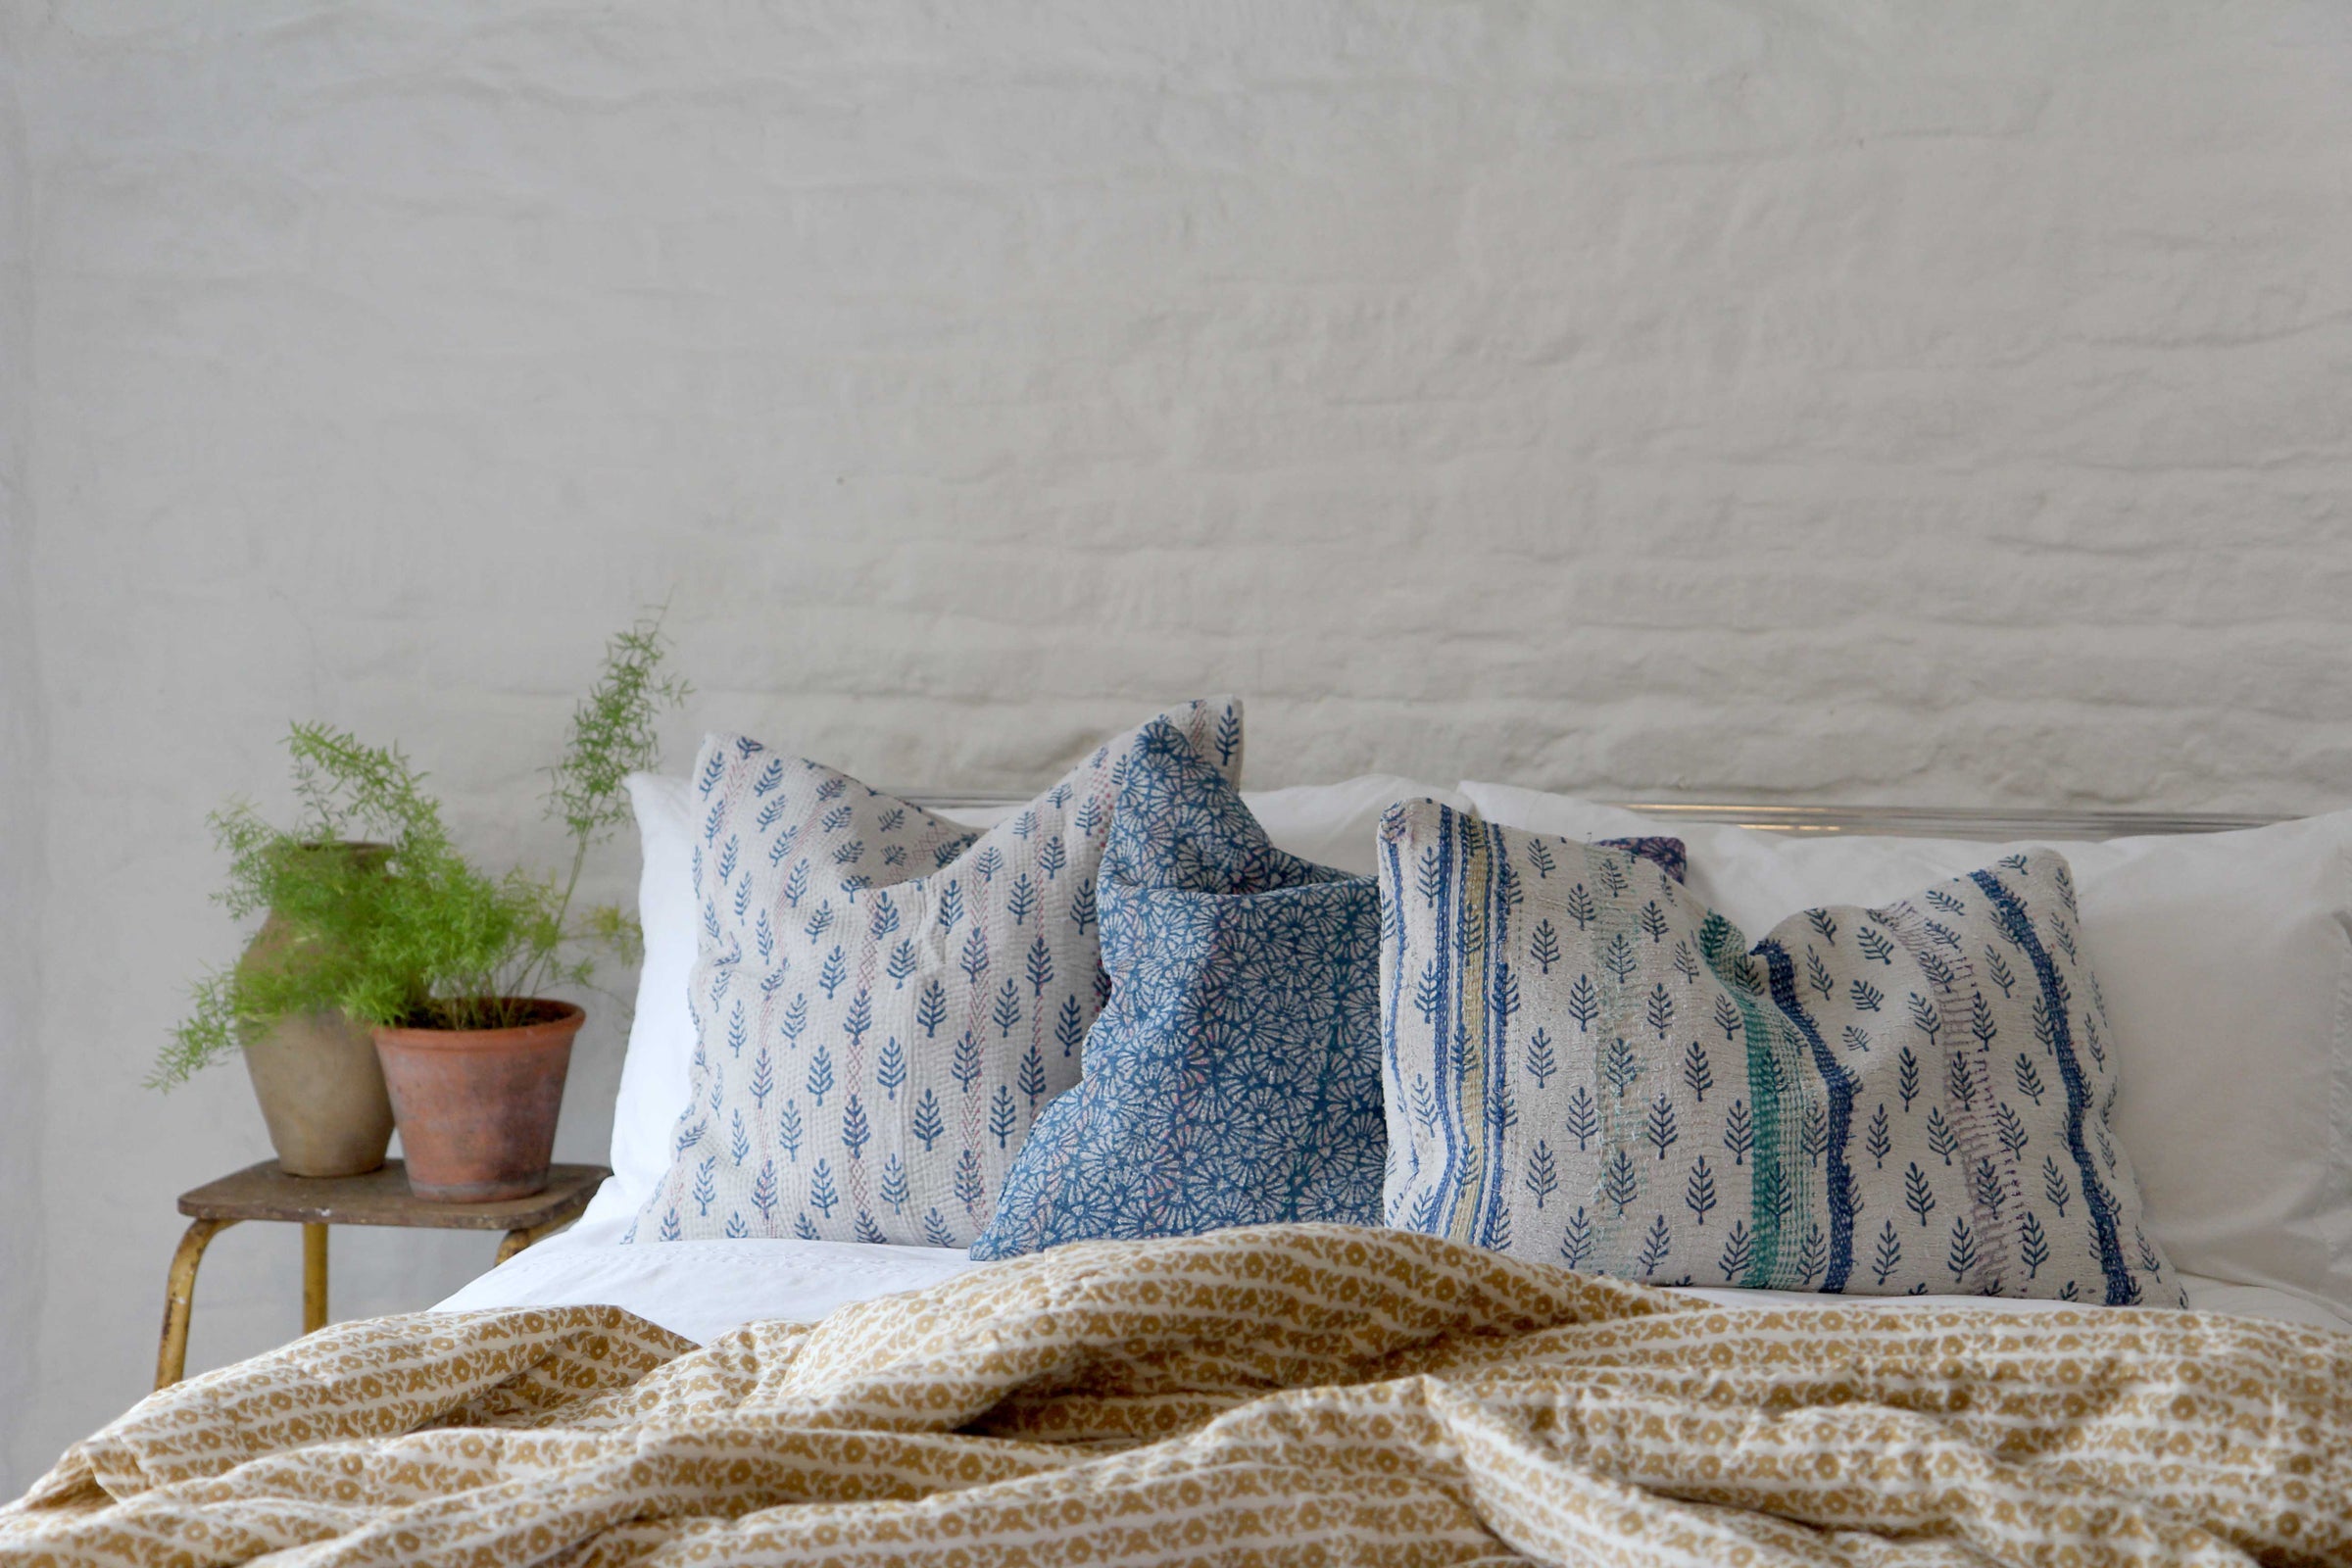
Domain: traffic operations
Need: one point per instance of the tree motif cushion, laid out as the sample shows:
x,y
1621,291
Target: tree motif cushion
x,y
1233,1077
1584,1066
883,999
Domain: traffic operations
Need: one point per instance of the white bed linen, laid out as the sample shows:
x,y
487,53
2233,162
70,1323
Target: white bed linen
x,y
700,1288
704,1289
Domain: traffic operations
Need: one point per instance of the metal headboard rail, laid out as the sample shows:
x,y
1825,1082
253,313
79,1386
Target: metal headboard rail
x,y
1908,821
1951,822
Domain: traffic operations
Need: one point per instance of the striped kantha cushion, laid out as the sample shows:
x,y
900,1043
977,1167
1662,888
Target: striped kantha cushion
x,y
1582,1066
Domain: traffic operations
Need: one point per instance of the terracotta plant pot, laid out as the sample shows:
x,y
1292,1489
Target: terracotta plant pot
x,y
477,1107
315,1076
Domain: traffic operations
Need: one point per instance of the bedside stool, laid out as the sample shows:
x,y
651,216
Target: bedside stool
x,y
380,1197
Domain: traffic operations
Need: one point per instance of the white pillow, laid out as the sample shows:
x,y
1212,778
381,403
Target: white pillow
x,y
654,1072
2226,960
1328,823
1337,824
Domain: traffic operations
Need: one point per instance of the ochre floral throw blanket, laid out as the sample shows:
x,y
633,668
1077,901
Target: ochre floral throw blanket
x,y
1294,1393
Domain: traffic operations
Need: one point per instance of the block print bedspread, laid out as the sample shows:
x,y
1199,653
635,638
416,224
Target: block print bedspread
x,y
1284,1395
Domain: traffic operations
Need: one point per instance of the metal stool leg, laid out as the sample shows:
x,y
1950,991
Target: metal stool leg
x,y
313,1278
516,1240
179,1294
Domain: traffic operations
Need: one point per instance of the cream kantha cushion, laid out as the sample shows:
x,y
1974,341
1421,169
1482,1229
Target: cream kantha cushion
x,y
2225,961
883,999
1585,1065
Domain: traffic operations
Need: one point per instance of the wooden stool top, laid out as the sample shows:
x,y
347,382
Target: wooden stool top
x,y
382,1198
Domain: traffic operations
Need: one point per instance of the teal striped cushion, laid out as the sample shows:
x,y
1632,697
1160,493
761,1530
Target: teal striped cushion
x,y
1583,1065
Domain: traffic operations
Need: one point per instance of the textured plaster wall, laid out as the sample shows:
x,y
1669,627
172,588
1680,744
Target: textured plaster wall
x,y
23,882
1916,404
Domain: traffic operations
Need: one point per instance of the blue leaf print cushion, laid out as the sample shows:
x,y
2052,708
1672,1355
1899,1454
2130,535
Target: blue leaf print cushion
x,y
883,999
1234,1076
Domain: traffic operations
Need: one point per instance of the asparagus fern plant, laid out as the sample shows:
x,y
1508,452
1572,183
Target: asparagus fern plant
x,y
385,919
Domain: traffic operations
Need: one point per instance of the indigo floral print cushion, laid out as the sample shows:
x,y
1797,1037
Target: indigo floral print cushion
x,y
883,999
1584,1066
1234,1078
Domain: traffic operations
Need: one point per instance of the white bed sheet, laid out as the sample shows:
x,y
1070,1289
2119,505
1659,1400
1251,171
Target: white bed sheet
x,y
704,1289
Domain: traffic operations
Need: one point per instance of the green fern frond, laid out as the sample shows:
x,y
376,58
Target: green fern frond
x,y
378,914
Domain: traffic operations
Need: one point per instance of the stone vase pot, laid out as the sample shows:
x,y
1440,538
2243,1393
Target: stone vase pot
x,y
320,1089
477,1107
322,1095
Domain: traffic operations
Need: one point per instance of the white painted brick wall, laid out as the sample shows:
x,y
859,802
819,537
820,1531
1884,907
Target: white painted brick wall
x,y
22,882
1935,406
